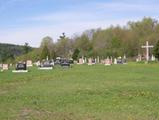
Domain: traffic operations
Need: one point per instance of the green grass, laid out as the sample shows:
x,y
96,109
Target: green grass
x,y
118,92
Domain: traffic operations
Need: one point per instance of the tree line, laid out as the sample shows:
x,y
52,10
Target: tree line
x,y
113,41
9,52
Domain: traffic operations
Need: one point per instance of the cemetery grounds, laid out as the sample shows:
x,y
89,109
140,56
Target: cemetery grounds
x,y
118,92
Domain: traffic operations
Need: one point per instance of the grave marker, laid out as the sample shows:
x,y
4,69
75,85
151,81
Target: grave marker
x,y
20,68
90,61
147,46
5,67
108,62
46,65
29,63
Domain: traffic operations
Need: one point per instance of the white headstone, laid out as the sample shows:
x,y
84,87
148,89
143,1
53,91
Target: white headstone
x,y
98,60
5,67
81,61
90,61
85,60
153,58
29,63
37,63
107,62
115,61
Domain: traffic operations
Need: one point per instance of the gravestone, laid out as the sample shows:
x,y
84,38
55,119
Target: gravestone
x,y
115,61
90,61
119,60
81,61
108,62
153,58
5,67
57,61
139,58
65,63
37,63
46,65
29,63
98,60
93,61
20,67
71,61
102,61
124,60
85,60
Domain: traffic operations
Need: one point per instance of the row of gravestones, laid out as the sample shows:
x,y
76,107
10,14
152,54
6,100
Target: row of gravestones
x,y
141,58
44,65
108,61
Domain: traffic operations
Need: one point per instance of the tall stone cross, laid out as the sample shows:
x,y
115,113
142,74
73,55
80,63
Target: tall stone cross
x,y
147,46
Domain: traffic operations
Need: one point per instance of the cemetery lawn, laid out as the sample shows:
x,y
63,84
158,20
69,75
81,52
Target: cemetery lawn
x,y
118,92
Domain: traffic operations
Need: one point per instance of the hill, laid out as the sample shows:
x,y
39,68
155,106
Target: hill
x,y
11,51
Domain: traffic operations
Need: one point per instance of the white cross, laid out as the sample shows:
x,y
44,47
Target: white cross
x,y
147,49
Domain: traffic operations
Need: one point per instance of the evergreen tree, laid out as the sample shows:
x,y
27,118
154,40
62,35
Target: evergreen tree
x,y
76,54
26,48
156,50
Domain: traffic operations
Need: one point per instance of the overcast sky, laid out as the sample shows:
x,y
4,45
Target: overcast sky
x,y
30,20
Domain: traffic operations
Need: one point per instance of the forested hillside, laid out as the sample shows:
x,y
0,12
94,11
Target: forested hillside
x,y
8,52
112,41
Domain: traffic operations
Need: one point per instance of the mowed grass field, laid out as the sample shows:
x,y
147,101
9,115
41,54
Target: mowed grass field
x,y
118,92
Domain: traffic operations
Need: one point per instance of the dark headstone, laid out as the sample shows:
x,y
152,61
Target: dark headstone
x,y
21,66
65,63
119,61
57,62
47,63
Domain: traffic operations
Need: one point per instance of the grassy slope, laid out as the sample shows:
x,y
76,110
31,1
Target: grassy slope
x,y
121,92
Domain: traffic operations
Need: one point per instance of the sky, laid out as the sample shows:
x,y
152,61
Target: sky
x,y
31,20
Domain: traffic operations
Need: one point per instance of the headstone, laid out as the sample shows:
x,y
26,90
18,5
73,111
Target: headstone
x,y
29,63
108,62
139,58
119,60
5,67
153,58
20,67
65,63
37,63
57,61
93,61
85,60
46,65
115,61
102,61
71,61
98,60
124,60
90,61
81,61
